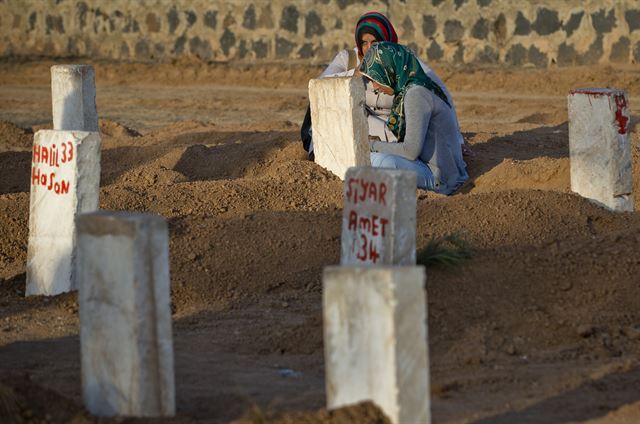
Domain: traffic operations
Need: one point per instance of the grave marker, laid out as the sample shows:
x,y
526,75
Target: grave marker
x,y
65,181
375,338
599,147
379,217
73,94
125,314
340,128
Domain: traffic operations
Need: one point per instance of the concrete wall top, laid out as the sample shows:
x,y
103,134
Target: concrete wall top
x,y
512,32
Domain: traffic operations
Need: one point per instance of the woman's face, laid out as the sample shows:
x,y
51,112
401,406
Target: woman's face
x,y
366,42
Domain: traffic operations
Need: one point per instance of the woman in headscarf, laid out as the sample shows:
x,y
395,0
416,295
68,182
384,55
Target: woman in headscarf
x,y
421,117
371,28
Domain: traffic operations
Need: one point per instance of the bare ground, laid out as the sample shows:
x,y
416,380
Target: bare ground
x,y
542,325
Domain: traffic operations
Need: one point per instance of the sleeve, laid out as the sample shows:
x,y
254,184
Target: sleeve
x,y
338,66
417,112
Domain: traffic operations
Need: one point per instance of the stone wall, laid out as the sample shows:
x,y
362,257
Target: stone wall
x,y
515,32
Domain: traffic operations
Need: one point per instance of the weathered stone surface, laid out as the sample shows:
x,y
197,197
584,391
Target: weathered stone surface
x,y
284,47
546,22
566,55
516,55
603,21
487,55
260,48
249,19
435,52
313,25
73,94
453,31
125,314
379,217
620,51
599,147
573,23
65,181
227,41
537,57
429,25
633,19
523,26
211,19
480,29
99,29
340,128
289,19
636,53
375,339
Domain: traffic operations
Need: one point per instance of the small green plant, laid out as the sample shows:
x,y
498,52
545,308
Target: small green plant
x,y
448,251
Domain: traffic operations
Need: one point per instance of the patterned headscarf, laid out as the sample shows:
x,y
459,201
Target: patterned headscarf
x,y
376,24
396,67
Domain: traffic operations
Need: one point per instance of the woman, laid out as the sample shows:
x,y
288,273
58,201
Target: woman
x,y
422,119
371,28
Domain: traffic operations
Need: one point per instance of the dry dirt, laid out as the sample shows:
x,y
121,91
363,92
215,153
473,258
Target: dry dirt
x,y
541,325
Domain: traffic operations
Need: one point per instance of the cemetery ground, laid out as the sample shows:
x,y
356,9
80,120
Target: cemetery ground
x,y
541,325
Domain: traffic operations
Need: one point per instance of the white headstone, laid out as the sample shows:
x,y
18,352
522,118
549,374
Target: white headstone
x,y
379,217
125,314
65,181
73,94
599,147
375,339
339,125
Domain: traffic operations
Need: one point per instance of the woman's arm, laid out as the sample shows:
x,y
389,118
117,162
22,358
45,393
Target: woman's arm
x,y
418,105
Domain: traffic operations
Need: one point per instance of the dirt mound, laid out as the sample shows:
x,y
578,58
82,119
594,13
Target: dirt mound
x,y
363,413
14,138
542,321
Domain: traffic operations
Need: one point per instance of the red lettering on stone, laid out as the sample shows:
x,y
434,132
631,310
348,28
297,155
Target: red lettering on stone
x,y
43,179
374,225
373,192
35,175
383,191
364,185
45,154
383,222
353,220
51,181
64,187
621,118
70,150
349,191
373,252
36,153
364,223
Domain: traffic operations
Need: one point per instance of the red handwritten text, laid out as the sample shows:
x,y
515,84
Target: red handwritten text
x,y
53,155
361,190
49,181
368,230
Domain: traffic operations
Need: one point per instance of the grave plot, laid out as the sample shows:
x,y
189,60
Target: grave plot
x,y
599,147
125,314
339,124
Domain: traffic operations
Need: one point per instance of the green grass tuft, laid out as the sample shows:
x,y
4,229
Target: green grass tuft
x,y
447,251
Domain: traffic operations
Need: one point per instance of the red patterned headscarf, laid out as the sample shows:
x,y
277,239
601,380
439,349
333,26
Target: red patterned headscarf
x,y
376,24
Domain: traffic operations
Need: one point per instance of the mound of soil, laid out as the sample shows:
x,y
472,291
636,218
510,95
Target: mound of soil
x,y
540,325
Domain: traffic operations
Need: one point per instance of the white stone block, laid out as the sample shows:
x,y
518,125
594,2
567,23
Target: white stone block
x,y
65,181
599,147
379,217
339,124
73,94
375,339
125,314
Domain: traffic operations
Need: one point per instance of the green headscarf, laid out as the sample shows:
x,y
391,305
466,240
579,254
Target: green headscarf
x,y
395,66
